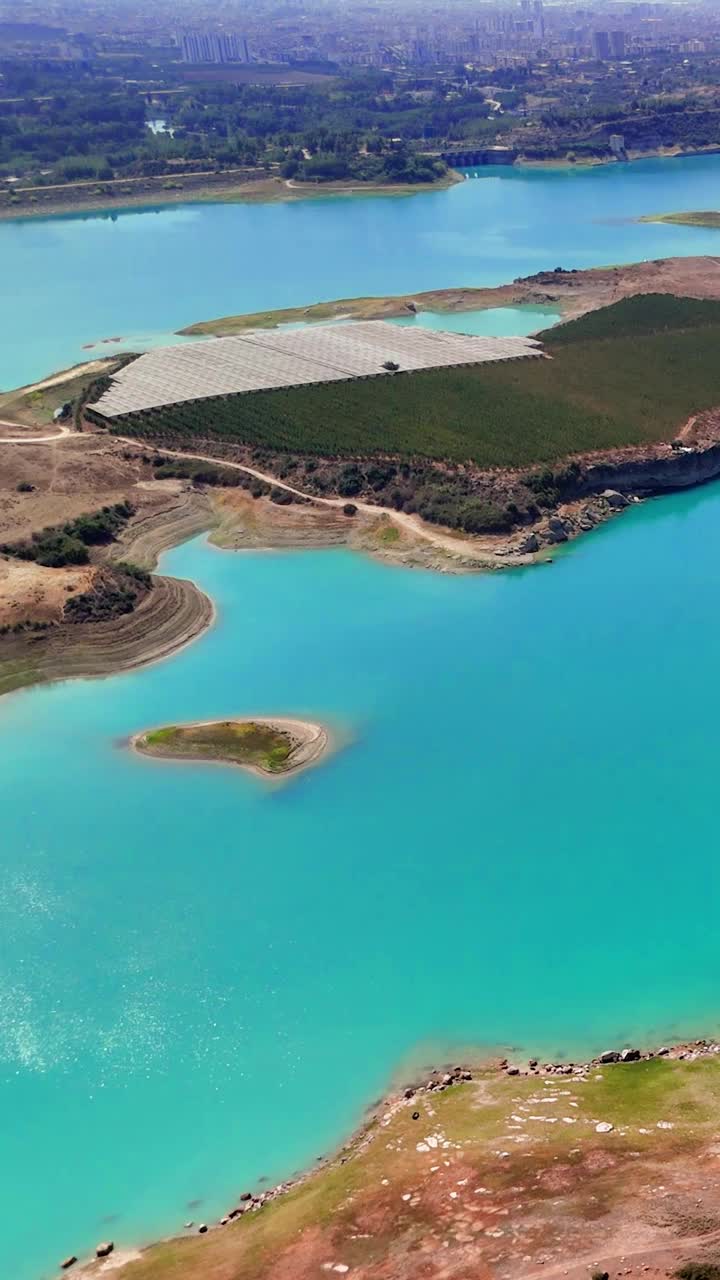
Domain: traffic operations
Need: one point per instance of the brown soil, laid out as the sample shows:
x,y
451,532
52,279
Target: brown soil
x,y
79,473
76,475
581,291
496,1180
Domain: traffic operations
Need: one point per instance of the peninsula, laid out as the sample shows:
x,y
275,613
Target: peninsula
x,y
698,218
273,747
465,469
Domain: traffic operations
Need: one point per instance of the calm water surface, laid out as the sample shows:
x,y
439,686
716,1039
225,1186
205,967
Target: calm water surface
x,y
204,979
74,280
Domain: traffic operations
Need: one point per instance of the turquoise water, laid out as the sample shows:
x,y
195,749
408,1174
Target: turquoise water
x,y
206,978
76,280
496,322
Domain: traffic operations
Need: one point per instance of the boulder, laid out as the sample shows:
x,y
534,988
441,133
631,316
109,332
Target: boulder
x,y
202,1228
246,1195
513,1071
610,1055
68,1262
409,1093
530,543
614,499
630,1055
105,1249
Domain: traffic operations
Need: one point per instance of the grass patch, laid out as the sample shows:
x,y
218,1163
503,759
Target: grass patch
x,y
697,218
384,1165
262,746
388,534
632,373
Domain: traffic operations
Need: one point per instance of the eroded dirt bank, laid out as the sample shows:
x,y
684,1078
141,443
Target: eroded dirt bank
x,y
47,484
79,474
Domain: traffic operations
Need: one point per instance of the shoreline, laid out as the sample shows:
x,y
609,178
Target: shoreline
x,y
313,743
423,1084
173,615
594,162
270,190
570,293
80,199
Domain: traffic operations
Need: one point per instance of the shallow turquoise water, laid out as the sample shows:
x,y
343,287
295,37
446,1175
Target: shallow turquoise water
x,y
205,978
496,322
76,280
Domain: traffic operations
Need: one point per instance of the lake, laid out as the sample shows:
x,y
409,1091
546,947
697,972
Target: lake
x,y
72,280
205,978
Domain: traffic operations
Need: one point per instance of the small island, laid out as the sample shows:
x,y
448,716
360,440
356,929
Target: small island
x,y
267,747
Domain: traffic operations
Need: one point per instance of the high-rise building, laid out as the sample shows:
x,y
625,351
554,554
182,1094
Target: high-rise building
x,y
617,44
601,44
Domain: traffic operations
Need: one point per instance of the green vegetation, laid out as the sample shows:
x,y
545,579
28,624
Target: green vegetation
x,y
114,592
701,218
437,442
244,742
60,545
203,473
627,375
699,1271
643,315
602,1172
88,125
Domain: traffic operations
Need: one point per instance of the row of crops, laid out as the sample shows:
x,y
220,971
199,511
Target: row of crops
x,y
596,392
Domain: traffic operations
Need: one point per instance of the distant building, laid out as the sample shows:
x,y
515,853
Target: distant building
x,y
213,46
617,145
601,45
617,44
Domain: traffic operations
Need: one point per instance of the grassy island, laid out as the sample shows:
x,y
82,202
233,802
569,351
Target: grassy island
x,y
263,746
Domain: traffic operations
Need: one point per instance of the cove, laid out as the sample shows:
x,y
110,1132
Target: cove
x,y
206,979
142,274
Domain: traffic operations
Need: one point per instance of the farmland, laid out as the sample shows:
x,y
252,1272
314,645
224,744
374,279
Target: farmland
x,y
630,374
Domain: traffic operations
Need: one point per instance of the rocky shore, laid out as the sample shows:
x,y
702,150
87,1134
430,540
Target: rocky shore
x,y
416,1102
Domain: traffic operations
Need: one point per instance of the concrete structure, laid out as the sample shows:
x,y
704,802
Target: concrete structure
x,y
469,157
213,46
266,359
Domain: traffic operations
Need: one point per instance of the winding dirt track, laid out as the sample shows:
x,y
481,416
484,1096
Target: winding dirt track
x,y
413,524
60,434
456,546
